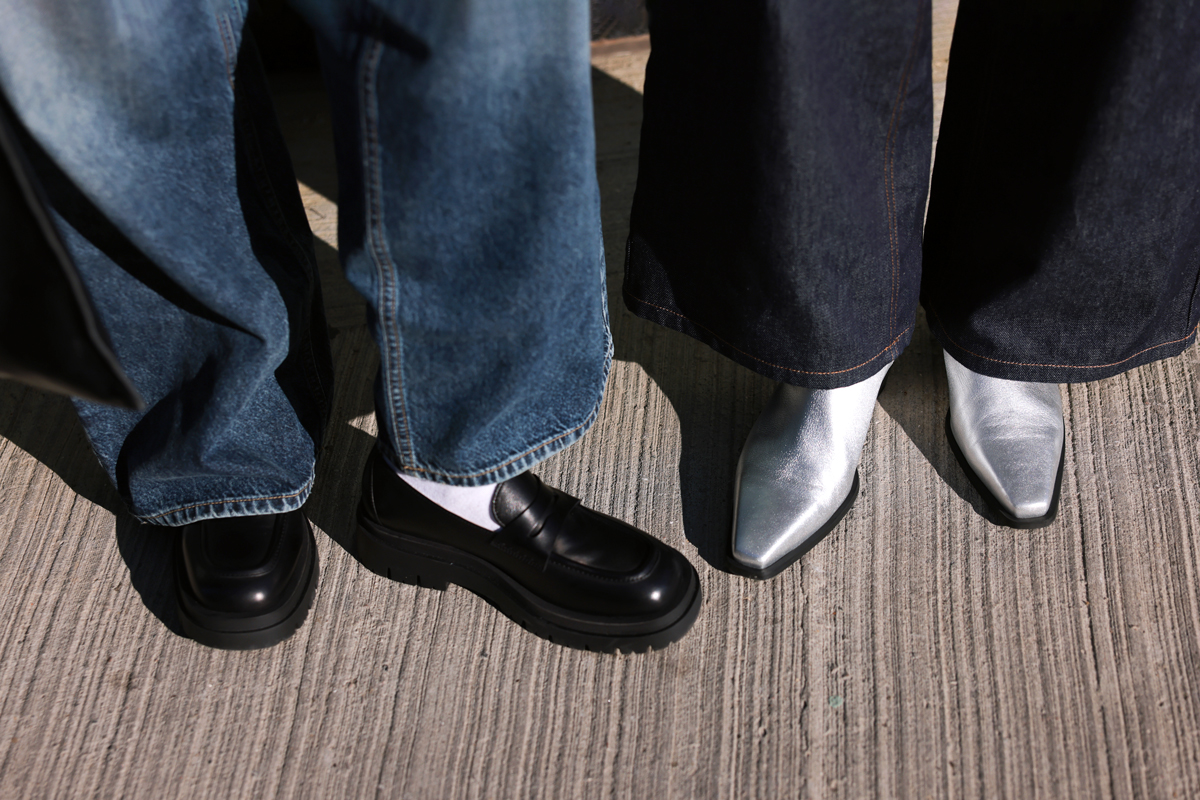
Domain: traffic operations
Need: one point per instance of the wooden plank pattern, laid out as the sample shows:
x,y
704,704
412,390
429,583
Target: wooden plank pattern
x,y
919,652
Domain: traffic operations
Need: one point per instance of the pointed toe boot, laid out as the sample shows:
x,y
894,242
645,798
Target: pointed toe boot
x,y
798,473
1008,437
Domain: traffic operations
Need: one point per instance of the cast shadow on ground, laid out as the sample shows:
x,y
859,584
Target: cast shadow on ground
x,y
46,427
916,399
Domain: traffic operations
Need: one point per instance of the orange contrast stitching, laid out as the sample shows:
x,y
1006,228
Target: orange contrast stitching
x,y
759,360
1062,366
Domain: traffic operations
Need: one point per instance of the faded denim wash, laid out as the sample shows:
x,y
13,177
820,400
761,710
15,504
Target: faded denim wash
x,y
469,219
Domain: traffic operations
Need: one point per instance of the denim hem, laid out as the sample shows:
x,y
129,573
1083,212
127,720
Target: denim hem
x,y
833,379
241,507
520,463
1054,373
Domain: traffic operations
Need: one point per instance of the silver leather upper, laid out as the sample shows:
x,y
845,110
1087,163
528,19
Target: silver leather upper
x,y
797,466
1011,433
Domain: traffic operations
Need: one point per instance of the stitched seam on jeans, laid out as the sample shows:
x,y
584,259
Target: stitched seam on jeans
x,y
226,44
306,487
762,361
531,450
1062,366
889,171
383,260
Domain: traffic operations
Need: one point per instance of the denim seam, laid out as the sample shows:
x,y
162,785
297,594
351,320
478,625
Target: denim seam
x,y
942,328
763,361
889,171
587,422
305,488
385,267
228,43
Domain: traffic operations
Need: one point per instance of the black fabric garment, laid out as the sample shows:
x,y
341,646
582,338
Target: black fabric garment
x,y
784,166
50,336
1063,237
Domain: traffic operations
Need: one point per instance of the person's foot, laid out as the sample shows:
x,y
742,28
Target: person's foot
x,y
562,571
1008,437
245,582
798,472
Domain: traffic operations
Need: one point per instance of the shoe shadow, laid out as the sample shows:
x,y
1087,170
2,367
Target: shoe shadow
x,y
917,399
47,428
147,553
715,400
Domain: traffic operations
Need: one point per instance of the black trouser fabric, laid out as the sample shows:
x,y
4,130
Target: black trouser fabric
x,y
784,165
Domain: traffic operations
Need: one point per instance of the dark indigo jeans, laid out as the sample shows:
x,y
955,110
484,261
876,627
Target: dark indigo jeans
x,y
469,219
784,170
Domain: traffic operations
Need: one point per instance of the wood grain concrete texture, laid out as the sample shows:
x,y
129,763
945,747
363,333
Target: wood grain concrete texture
x,y
920,651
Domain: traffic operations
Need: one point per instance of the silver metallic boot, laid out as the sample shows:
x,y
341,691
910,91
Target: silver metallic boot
x,y
1008,437
798,473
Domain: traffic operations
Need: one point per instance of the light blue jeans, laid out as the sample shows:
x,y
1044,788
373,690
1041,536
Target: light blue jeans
x,y
468,218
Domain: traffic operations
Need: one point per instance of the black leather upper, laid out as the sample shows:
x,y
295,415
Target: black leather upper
x,y
552,545
245,564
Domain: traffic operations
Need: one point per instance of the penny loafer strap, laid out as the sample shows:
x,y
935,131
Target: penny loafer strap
x,y
539,525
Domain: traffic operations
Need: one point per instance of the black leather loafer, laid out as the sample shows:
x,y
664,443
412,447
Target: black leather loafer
x,y
562,571
245,582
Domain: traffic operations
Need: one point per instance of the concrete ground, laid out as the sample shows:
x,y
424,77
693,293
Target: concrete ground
x,y
920,651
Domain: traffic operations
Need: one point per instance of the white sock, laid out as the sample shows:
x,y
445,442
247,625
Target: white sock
x,y
472,503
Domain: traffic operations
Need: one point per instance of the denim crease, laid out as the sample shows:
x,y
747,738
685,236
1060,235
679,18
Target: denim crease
x,y
153,133
781,182
474,236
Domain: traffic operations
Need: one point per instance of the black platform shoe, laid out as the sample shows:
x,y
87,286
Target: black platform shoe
x,y
245,582
562,571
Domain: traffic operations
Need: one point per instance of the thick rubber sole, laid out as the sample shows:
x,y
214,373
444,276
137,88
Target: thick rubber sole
x,y
226,631
1001,516
792,556
433,565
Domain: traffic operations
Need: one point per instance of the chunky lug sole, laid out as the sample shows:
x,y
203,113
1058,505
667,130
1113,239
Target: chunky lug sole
x,y
792,556
433,565
233,631
993,504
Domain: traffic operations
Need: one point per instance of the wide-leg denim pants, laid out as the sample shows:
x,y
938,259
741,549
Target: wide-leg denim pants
x,y
784,173
468,218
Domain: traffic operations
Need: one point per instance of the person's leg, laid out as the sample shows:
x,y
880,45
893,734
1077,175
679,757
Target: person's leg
x,y
152,134
1063,238
782,180
469,219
